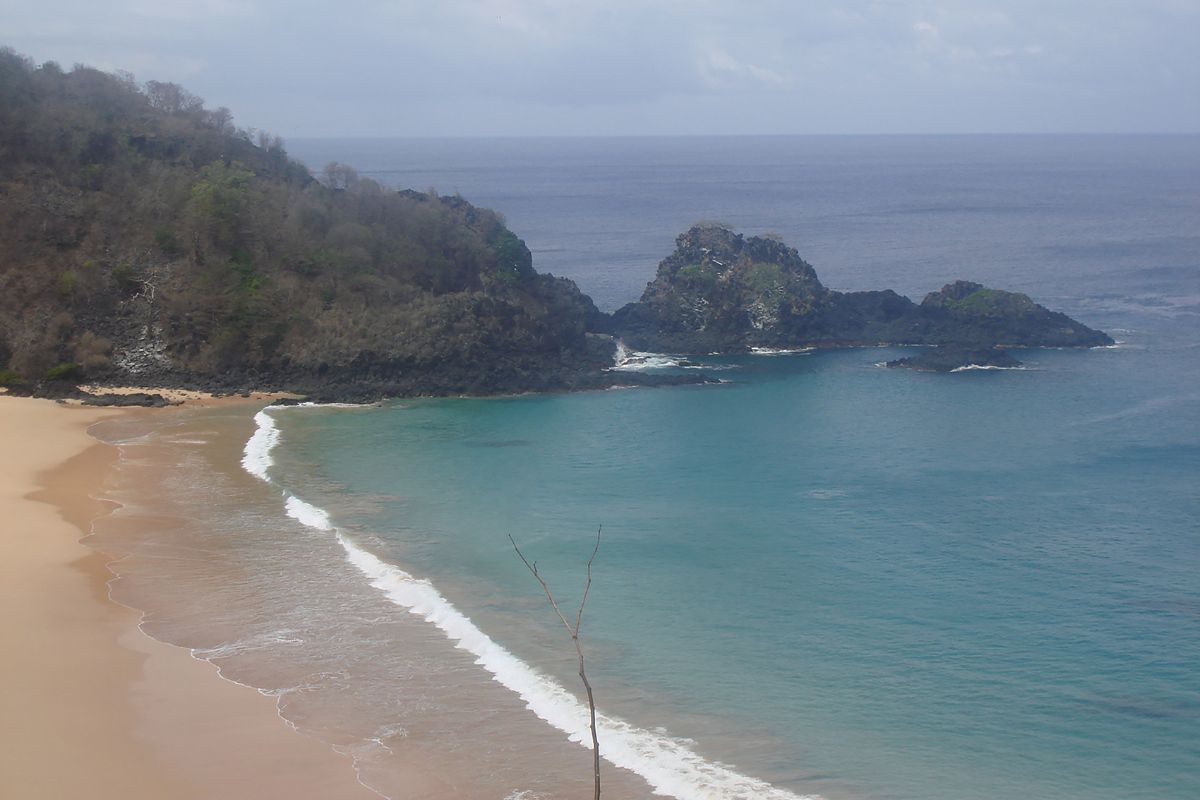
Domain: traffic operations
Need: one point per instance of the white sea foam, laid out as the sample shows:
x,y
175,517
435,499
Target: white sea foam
x,y
626,360
634,361
256,455
970,367
308,404
670,767
780,351
307,514
261,641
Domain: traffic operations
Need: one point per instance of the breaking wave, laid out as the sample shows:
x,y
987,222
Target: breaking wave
x,y
973,367
781,351
626,360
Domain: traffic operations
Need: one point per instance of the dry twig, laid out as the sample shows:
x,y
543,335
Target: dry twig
x,y
574,634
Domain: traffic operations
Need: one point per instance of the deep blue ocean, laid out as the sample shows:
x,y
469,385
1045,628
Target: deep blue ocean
x,y
834,577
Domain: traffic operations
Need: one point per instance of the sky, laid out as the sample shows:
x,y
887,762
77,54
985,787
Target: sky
x,y
654,67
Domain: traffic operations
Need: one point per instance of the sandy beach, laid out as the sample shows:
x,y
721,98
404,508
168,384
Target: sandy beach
x,y
91,706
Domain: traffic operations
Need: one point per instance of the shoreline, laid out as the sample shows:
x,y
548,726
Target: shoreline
x,y
160,725
408,758
93,705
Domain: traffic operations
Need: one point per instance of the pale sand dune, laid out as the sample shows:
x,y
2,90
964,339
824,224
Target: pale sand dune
x,y
90,706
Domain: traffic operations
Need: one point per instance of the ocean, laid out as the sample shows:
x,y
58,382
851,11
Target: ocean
x,y
818,578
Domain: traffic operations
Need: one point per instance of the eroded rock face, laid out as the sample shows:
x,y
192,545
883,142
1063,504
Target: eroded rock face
x,y
722,292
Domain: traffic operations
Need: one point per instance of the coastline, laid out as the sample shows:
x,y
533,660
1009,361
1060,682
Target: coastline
x,y
92,705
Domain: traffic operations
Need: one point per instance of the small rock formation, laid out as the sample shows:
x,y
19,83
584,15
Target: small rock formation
x,y
950,358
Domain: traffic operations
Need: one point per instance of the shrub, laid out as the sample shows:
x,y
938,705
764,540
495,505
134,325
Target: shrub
x,y
9,377
93,352
167,241
126,279
66,283
66,371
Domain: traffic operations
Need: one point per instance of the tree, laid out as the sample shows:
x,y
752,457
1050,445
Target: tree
x,y
218,200
172,98
339,177
573,631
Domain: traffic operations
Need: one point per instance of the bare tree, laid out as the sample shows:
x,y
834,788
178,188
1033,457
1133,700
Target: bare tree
x,y
573,631
172,98
339,177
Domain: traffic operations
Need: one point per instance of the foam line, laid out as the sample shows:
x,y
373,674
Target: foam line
x,y
670,767
256,455
780,351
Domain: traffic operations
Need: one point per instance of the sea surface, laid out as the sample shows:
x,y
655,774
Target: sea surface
x,y
818,578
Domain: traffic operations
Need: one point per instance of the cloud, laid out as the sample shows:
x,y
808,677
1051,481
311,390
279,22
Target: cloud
x,y
718,68
385,67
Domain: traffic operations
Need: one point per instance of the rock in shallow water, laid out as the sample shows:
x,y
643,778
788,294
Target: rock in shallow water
x,y
949,359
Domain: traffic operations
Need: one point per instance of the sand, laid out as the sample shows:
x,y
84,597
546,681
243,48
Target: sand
x,y
89,705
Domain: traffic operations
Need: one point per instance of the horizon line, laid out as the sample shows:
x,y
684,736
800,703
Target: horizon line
x,y
967,134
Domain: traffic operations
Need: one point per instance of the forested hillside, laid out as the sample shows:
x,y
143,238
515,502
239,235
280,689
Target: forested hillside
x,y
147,239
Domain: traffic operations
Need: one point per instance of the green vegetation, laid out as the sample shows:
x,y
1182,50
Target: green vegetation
x,y
135,217
64,372
8,377
698,277
765,279
979,301
972,299
66,283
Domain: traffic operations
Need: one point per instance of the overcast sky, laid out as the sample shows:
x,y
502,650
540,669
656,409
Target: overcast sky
x,y
601,67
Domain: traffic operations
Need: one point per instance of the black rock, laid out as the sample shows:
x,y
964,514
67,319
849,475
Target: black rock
x,y
143,399
722,292
949,358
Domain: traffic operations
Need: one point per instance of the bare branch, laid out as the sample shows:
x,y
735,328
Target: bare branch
x,y
574,633
553,603
588,586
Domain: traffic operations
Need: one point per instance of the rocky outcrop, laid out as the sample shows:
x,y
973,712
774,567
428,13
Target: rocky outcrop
x,y
965,312
722,292
951,358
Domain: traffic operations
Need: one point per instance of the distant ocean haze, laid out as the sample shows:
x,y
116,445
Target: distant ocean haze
x,y
830,577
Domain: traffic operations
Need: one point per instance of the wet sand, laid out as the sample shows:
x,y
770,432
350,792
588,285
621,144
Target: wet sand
x,y
89,705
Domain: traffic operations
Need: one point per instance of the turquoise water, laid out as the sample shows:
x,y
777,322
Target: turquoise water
x,y
842,578
921,587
